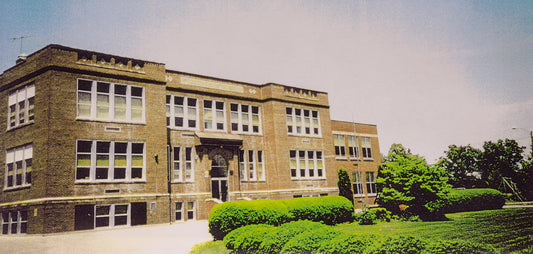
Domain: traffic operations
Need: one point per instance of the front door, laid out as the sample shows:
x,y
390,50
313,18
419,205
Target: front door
x,y
219,178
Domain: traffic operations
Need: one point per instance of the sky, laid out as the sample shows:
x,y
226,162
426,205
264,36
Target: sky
x,y
428,73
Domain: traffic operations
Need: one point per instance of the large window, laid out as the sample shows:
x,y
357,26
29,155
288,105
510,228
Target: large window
x,y
21,107
340,146
245,118
14,222
353,147
357,184
371,183
366,146
110,161
111,215
182,112
18,167
183,168
306,164
214,115
109,101
303,122
251,165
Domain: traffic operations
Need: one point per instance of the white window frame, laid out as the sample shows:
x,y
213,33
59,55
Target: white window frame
x,y
215,118
179,165
240,115
21,116
310,165
111,100
112,215
251,162
191,211
9,223
181,210
21,154
292,120
171,112
366,147
340,146
111,167
357,184
370,178
353,145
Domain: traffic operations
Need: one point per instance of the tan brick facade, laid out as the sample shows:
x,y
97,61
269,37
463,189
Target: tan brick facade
x,y
181,172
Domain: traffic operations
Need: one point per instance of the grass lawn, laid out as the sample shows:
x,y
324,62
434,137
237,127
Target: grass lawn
x,y
507,230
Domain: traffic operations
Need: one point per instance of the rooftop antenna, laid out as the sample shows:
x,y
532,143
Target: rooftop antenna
x,y
20,38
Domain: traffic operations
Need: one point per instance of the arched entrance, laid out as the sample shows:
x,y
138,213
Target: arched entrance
x,y
219,178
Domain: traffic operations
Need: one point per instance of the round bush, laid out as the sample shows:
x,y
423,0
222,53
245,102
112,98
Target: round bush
x,y
473,200
330,210
276,239
247,238
310,240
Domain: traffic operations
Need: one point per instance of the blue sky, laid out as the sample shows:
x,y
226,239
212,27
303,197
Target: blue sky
x,y
428,73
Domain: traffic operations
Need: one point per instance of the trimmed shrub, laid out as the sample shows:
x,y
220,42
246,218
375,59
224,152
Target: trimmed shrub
x,y
228,216
276,239
450,247
310,240
329,210
366,218
398,244
248,237
473,200
348,243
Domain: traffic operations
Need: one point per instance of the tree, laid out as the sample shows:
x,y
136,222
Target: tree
x,y
500,159
406,179
462,164
525,178
345,185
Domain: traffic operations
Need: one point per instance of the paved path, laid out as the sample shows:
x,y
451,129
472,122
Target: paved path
x,y
175,238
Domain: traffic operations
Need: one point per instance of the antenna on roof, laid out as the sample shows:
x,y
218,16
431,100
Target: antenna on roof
x,y
21,57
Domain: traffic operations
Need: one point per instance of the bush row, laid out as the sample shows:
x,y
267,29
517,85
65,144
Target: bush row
x,y
306,236
229,216
473,200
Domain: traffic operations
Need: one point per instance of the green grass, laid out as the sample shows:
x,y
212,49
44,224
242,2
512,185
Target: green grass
x,y
507,230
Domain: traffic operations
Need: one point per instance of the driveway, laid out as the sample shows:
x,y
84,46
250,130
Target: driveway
x,y
175,238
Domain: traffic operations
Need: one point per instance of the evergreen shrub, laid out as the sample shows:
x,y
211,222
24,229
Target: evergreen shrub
x,y
276,239
248,237
473,200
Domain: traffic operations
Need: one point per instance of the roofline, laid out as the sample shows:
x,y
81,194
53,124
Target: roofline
x,y
352,122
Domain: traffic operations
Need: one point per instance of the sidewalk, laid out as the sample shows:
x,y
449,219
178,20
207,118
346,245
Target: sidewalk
x,y
175,238
518,204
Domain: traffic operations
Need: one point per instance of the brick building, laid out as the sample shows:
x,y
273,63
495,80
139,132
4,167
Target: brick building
x,y
92,140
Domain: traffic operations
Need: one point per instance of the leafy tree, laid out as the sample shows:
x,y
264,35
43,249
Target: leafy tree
x,y
525,178
462,164
345,186
500,159
407,181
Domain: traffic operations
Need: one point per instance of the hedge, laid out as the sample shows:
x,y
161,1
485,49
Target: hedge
x,y
229,216
307,236
473,200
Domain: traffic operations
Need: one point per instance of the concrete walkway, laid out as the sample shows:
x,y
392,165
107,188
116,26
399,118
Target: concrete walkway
x,y
175,238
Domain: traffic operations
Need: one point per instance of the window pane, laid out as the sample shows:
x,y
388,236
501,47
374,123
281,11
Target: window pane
x,y
102,147
120,161
136,161
84,85
120,147
82,173
102,210
102,222
84,146
137,148
102,173
136,173
120,89
119,173
136,91
121,209
84,160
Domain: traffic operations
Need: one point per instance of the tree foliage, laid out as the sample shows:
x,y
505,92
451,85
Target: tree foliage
x,y
500,159
462,164
345,185
406,179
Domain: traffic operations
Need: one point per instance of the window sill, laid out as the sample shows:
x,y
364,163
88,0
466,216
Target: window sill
x,y
182,128
19,126
110,121
308,179
108,182
368,159
177,181
372,195
246,133
341,158
253,181
359,195
304,135
16,188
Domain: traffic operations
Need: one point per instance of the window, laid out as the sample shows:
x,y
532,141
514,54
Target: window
x,y
340,148
191,210
251,165
214,115
14,222
111,215
306,164
245,118
109,161
303,122
183,168
366,147
109,101
19,167
353,147
370,183
357,184
21,107
179,211
182,112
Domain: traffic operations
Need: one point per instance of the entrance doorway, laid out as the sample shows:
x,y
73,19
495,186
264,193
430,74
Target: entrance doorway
x,y
219,178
